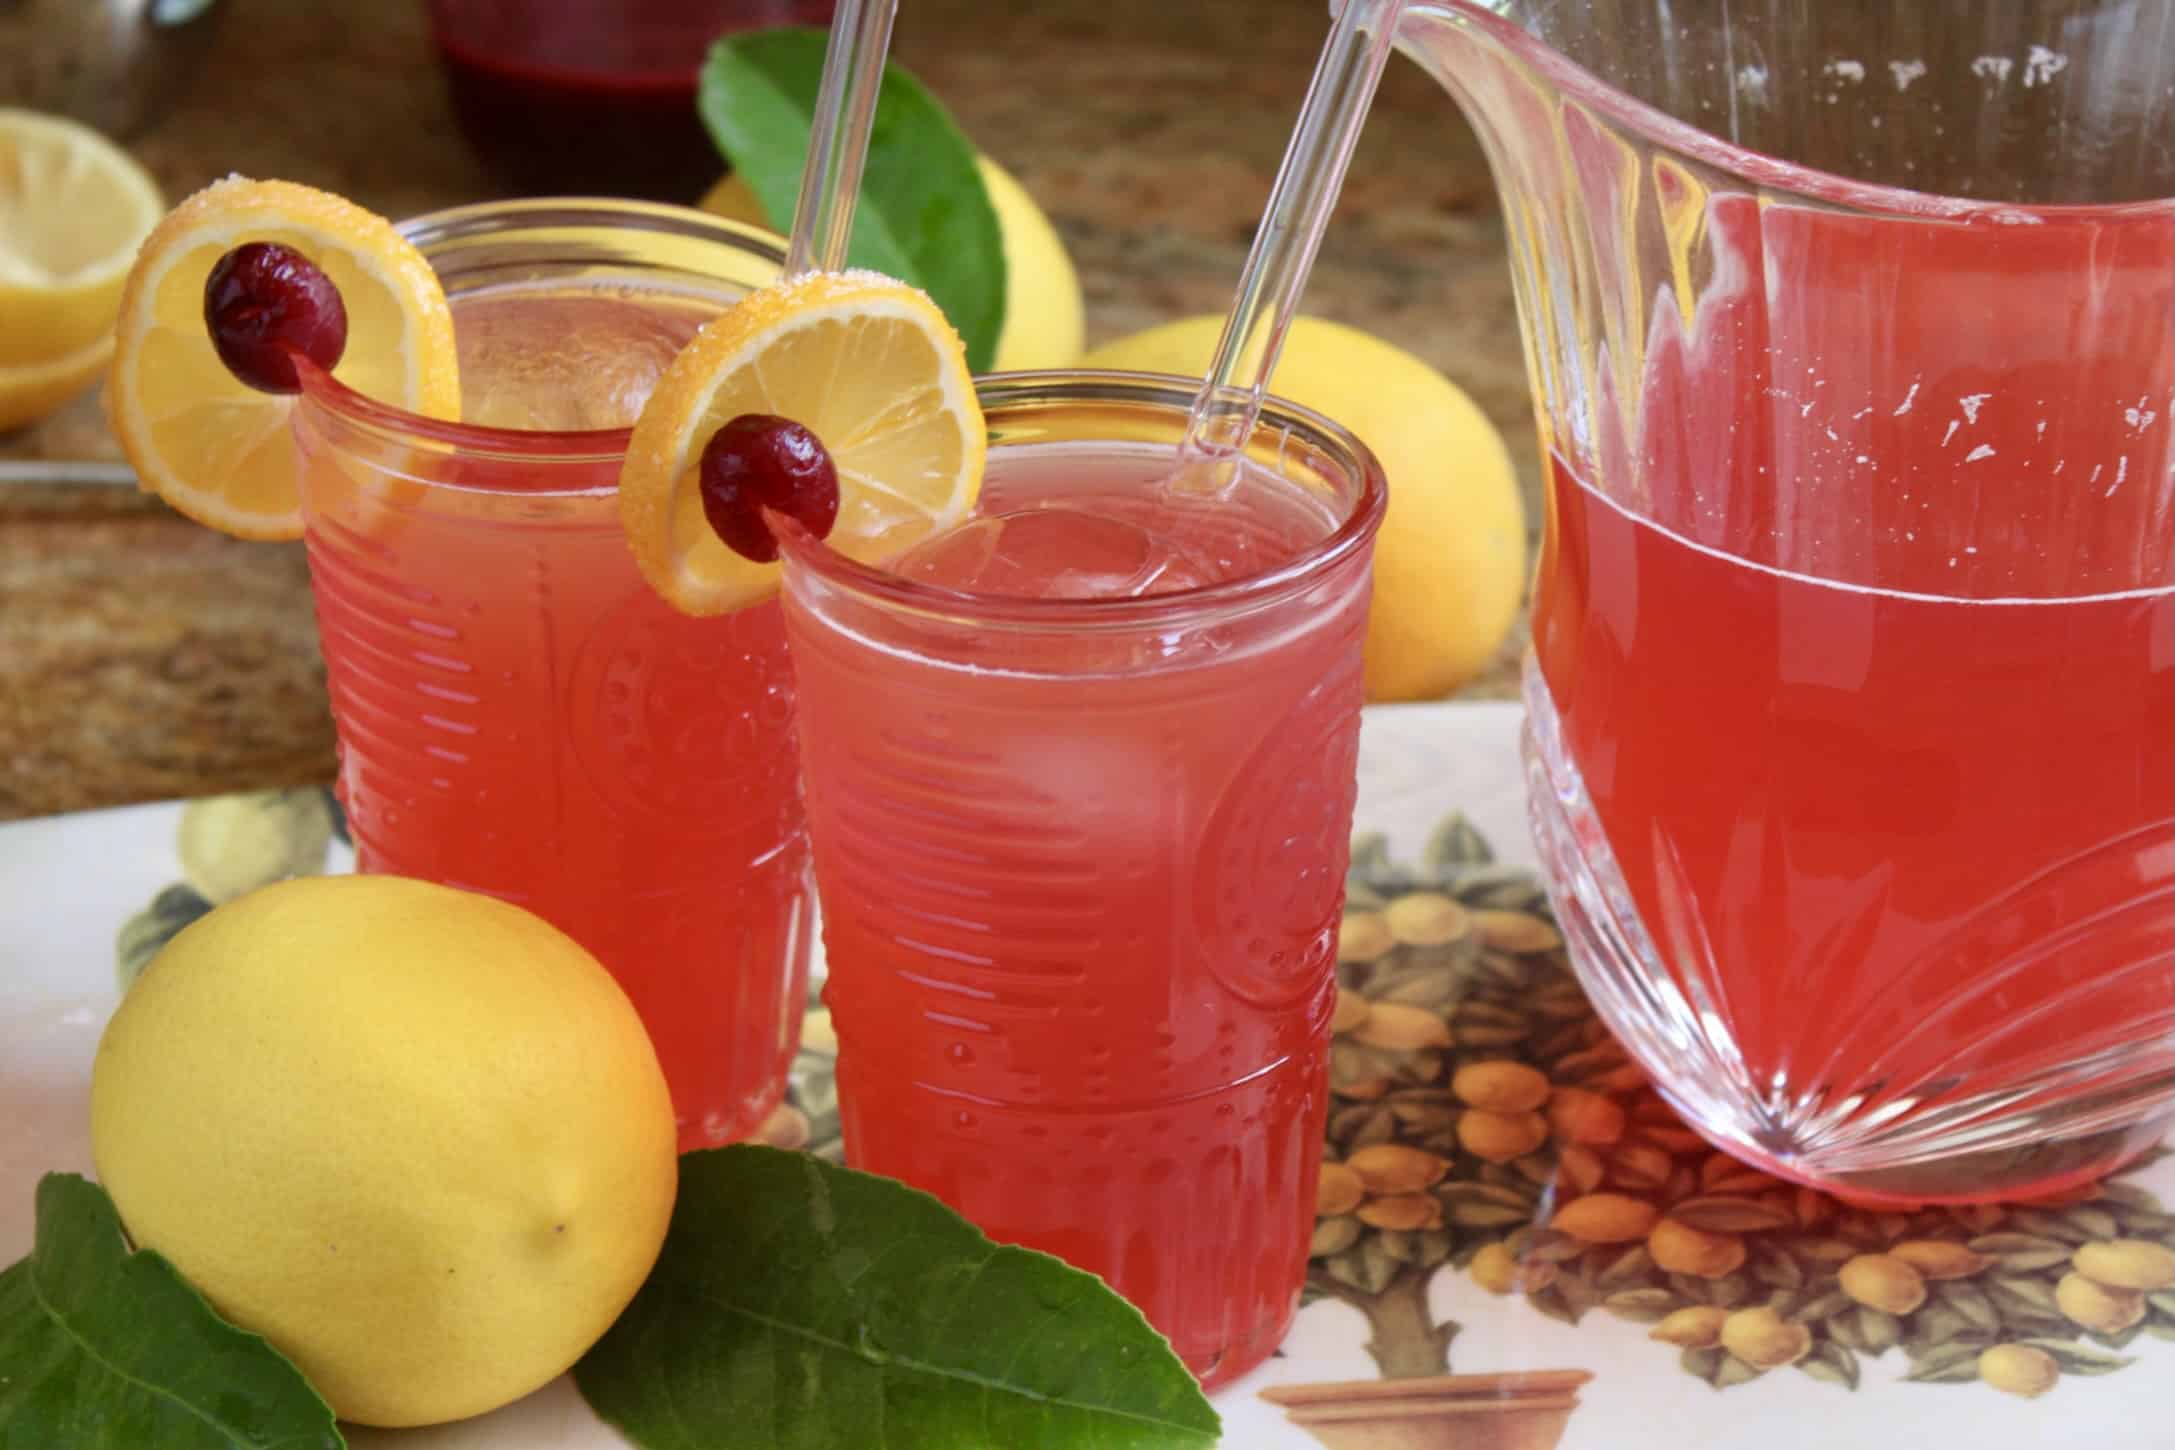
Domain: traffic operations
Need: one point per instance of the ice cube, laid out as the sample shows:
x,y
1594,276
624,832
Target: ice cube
x,y
1051,553
565,362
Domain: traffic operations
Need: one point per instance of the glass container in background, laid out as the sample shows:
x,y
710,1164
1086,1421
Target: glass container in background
x,y
594,96
1082,843
518,712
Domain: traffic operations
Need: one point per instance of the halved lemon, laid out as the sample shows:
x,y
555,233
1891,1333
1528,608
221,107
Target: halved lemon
x,y
208,443
73,209
866,363
40,389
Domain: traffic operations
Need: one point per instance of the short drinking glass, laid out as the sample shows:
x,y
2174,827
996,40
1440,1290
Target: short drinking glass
x,y
1079,779
518,712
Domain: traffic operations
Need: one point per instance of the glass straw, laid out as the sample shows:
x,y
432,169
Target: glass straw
x,y
1291,229
838,132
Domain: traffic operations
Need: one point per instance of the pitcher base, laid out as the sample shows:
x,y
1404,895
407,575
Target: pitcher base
x,y
1996,1131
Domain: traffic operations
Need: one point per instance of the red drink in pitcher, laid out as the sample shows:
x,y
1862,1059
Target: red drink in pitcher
x,y
1884,751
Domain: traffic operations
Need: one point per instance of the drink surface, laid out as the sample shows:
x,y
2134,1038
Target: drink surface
x,y
1062,524
520,713
1083,890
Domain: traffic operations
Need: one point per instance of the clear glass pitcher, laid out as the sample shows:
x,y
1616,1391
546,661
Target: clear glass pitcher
x,y
1851,331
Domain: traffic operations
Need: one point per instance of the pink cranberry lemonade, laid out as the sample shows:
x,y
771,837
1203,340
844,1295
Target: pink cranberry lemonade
x,y
519,713
1079,780
1882,743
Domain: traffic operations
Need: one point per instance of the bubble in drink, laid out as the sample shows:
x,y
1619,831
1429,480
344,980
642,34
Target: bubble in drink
x,y
566,362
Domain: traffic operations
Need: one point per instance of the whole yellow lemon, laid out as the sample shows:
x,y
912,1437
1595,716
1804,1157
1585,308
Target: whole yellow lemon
x,y
1044,313
415,1137
1450,562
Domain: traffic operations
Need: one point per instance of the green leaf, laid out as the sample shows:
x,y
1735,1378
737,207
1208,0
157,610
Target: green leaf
x,y
1948,1364
1732,1372
924,214
802,1306
146,933
168,14
1641,1306
2079,1358
1456,842
1831,1363
100,1347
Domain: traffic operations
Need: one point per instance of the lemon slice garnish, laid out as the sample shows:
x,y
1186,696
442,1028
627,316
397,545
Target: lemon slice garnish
x,y
866,363
212,446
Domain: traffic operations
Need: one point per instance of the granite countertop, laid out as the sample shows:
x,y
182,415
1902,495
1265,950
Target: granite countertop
x,y
143,657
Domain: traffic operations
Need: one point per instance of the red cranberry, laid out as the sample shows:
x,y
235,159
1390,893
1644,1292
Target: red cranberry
x,y
760,461
263,303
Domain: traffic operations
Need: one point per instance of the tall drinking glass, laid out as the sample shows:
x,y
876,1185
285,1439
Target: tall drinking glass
x,y
1079,779
1851,330
518,712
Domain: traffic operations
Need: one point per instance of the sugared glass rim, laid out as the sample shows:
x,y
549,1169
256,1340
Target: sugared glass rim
x,y
1165,392
582,449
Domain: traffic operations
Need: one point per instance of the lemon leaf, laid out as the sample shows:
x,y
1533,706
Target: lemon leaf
x,y
103,1347
924,214
798,1305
